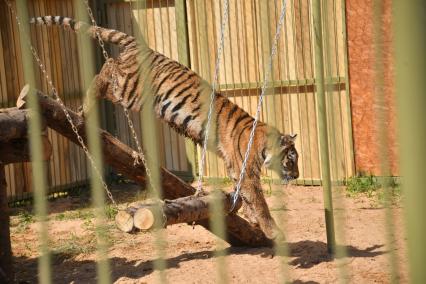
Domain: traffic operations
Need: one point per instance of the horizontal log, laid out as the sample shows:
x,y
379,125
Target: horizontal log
x,y
182,210
18,150
13,124
121,158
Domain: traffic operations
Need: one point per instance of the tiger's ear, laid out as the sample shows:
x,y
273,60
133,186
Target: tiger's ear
x,y
287,139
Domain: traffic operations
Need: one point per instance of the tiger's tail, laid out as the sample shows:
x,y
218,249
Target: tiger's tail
x,y
107,35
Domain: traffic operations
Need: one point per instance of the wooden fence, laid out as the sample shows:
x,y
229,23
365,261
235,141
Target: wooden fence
x,y
57,49
188,32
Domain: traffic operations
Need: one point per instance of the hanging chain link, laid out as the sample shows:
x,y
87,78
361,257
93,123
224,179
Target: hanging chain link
x,y
140,155
202,160
64,109
266,76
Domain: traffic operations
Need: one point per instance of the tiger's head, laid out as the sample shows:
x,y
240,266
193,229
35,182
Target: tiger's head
x,y
280,155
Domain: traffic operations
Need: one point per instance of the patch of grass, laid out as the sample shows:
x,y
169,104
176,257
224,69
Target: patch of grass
x,y
373,186
362,184
73,246
110,212
83,214
23,220
395,194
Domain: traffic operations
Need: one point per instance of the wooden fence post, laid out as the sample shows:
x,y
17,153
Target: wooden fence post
x,y
6,267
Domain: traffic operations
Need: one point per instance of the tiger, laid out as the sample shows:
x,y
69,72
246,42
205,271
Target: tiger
x,y
181,98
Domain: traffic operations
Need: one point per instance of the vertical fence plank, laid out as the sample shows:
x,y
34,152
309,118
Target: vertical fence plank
x,y
410,46
322,125
38,166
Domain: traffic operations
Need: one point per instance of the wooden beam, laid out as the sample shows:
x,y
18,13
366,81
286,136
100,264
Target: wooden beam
x,y
121,158
13,124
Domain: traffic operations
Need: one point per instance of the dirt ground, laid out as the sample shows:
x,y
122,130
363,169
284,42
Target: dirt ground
x,y
191,253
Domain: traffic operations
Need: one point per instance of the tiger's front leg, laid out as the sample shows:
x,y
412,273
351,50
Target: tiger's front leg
x,y
256,205
97,90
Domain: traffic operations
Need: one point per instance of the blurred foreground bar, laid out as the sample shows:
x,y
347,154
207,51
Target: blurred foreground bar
x,y
410,47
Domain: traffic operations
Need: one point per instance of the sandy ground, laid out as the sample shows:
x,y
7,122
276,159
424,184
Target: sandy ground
x,y
191,253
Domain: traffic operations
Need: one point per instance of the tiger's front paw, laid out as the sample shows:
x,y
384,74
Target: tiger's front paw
x,y
276,235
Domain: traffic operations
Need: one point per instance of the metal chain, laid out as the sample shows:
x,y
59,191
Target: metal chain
x,y
212,96
259,104
64,109
140,155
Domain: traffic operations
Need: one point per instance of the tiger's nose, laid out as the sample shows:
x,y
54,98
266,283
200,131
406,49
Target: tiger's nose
x,y
296,174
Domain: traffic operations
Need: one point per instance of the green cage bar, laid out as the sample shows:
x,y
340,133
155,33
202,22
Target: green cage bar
x,y
383,137
322,125
150,142
87,72
410,47
38,166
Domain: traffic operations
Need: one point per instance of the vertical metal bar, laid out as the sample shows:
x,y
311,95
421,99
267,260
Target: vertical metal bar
x,y
329,94
184,58
322,126
217,220
36,150
340,250
410,46
87,72
151,145
383,135
108,113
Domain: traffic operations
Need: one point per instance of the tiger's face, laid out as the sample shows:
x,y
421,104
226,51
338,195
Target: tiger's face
x,y
282,157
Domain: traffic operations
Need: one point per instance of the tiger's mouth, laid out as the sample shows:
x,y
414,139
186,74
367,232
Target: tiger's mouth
x,y
286,178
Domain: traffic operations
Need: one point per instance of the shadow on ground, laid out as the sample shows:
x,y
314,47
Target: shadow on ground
x,y
306,254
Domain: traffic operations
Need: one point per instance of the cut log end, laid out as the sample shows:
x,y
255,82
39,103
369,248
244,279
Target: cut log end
x,y
144,219
124,221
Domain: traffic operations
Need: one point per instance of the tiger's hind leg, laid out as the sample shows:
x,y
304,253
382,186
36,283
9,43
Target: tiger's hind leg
x,y
249,213
253,196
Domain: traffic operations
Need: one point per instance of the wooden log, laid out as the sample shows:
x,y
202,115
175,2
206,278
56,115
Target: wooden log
x,y
6,267
187,209
124,219
121,158
14,123
18,150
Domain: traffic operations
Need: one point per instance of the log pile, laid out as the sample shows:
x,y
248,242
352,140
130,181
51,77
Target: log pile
x,y
120,157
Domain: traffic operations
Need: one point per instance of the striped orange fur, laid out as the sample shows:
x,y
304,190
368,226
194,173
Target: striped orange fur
x,y
181,97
